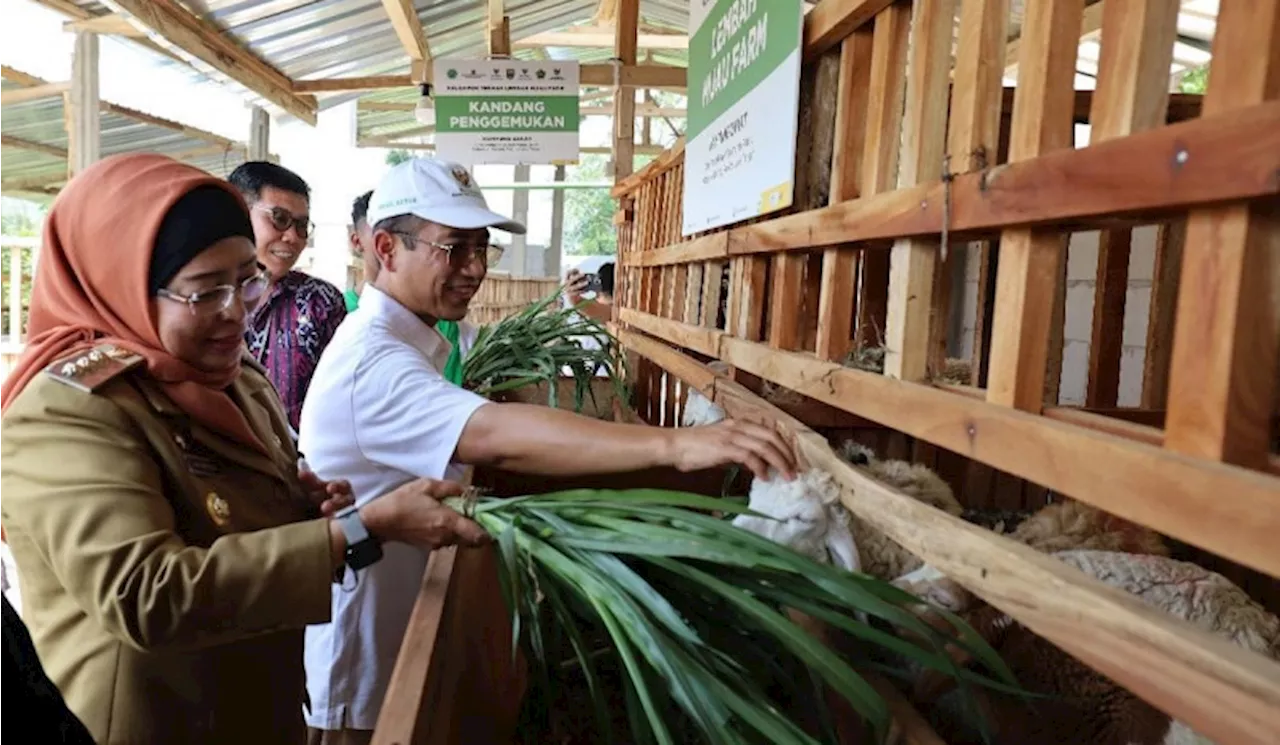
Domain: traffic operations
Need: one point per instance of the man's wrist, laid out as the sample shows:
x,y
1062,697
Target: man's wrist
x,y
668,446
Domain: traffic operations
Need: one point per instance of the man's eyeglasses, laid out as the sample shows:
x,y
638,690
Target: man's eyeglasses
x,y
217,299
462,255
282,220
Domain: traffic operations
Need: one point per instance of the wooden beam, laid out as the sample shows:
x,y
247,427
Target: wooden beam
x,y
832,21
155,121
498,32
1222,382
23,95
1028,277
195,36
596,37
111,24
636,76
14,75
38,184
403,15
1170,238
1165,660
35,147
340,85
1236,158
78,13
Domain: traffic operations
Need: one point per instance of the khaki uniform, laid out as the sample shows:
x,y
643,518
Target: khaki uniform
x,y
159,604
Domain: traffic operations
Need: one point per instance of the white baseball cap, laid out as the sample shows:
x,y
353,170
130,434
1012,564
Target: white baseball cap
x,y
435,190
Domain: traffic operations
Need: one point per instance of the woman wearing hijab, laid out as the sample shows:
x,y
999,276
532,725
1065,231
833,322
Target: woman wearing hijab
x,y
170,552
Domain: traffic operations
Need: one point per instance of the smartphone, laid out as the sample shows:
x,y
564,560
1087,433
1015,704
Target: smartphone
x,y
593,282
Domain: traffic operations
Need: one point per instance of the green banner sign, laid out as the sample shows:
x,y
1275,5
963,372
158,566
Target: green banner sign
x,y
507,113
733,50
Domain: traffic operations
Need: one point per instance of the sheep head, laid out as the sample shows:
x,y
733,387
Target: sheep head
x,y
804,514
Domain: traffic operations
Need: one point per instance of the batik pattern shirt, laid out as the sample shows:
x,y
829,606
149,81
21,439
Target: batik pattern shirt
x,y
288,331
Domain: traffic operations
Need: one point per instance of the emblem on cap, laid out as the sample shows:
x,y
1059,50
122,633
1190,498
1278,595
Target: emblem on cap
x,y
461,176
218,509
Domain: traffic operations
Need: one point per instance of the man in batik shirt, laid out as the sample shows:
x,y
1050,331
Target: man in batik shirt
x,y
295,321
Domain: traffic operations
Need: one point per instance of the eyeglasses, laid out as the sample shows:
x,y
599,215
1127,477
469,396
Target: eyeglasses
x,y
217,299
461,255
282,219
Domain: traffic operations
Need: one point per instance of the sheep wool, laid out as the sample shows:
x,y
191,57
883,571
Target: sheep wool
x,y
1073,525
700,410
804,514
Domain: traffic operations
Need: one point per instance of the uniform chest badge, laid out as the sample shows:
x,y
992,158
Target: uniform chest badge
x,y
219,510
199,460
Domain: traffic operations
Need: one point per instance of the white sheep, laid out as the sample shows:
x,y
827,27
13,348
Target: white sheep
x,y
700,410
806,516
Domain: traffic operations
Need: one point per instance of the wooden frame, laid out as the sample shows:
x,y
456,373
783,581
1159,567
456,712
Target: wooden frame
x,y
1204,473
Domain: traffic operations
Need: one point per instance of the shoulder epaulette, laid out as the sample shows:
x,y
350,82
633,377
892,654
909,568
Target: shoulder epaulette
x,y
90,369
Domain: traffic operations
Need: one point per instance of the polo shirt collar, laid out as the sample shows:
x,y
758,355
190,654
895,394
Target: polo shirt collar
x,y
406,325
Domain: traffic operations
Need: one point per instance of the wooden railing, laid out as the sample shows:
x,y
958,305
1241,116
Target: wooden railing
x,y
502,295
907,165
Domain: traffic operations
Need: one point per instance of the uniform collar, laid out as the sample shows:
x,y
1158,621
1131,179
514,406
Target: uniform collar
x,y
406,325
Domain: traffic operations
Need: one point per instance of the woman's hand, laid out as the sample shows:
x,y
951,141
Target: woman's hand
x,y
411,514
731,441
575,285
329,496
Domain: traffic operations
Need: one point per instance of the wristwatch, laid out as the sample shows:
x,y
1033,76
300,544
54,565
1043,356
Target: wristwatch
x,y
363,549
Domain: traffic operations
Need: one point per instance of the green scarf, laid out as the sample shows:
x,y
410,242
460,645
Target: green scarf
x,y
452,368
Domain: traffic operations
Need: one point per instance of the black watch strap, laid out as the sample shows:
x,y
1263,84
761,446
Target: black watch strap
x,y
363,548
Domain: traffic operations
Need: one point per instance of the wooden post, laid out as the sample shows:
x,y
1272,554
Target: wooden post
x,y
1132,95
624,98
924,130
15,293
85,132
1030,260
552,268
520,213
259,135
1222,382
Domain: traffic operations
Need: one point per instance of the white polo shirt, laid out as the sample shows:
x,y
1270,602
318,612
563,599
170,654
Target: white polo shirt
x,y
379,414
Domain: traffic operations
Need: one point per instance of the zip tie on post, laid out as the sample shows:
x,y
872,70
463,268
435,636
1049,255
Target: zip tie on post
x,y
947,178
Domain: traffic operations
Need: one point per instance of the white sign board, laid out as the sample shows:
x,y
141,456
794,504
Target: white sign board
x,y
744,98
506,111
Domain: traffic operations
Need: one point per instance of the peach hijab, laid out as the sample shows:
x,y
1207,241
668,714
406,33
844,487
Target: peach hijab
x,y
91,283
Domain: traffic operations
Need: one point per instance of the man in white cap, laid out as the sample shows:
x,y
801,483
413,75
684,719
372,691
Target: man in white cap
x,y
380,413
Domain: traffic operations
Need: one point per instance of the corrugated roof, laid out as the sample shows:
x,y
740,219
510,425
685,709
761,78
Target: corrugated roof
x,y
41,124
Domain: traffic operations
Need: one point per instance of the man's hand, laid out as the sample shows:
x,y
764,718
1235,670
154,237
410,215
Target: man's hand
x,y
731,441
329,496
575,285
410,514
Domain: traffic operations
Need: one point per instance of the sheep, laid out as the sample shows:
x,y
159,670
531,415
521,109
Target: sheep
x,y
804,514
1085,706
698,409
1056,527
880,556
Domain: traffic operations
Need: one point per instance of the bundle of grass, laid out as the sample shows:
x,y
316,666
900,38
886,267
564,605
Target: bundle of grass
x,y
688,615
536,346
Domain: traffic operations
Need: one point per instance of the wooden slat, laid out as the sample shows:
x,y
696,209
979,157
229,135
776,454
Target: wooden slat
x,y
1028,278
913,261
403,15
839,279
1137,49
700,339
1162,659
785,295
712,289
1170,238
1222,385
692,293
35,147
686,368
